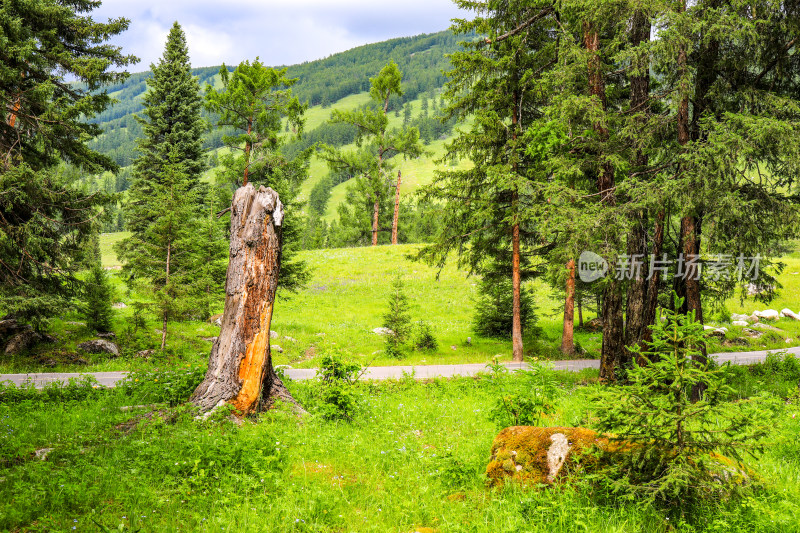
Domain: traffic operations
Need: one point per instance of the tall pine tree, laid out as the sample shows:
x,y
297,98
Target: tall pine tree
x,y
371,162
164,199
46,218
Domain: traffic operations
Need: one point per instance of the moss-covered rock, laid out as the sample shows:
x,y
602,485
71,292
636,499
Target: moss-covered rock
x,y
548,455
536,455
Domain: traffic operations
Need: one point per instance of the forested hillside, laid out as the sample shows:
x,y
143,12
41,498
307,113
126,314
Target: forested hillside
x,y
422,60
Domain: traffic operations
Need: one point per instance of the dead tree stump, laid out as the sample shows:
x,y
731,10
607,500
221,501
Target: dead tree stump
x,y
240,369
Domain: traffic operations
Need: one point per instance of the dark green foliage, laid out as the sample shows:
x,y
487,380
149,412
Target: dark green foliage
x,y
397,319
493,310
170,123
320,195
524,396
671,436
45,218
97,299
165,197
424,338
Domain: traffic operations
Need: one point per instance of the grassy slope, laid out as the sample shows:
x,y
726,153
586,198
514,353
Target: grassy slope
x,y
345,301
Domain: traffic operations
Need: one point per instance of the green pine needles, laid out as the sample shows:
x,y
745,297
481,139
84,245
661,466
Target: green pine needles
x,y
397,319
669,447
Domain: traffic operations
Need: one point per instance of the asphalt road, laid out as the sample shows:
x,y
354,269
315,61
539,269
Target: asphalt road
x,y
109,379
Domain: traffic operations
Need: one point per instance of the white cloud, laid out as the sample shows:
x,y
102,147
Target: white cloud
x,y
279,32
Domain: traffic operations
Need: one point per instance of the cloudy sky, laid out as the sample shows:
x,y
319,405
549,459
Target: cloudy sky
x,y
280,32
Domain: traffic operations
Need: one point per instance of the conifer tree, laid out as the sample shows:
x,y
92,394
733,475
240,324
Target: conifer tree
x,y
490,213
164,198
371,161
254,100
46,218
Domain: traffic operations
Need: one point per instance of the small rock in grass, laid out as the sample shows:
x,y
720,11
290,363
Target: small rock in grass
x,y
22,341
788,313
454,347
145,353
110,335
383,331
739,317
740,323
753,334
99,346
273,334
766,327
119,305
290,339
42,453
276,348
216,319
769,314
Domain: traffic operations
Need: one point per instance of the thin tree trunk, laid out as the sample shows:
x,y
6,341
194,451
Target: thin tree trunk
x,y
240,365
636,304
580,311
166,285
396,209
567,342
375,213
516,283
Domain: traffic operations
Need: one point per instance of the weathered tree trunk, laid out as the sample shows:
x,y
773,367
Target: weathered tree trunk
x,y
396,208
612,331
240,369
567,343
375,212
636,304
516,284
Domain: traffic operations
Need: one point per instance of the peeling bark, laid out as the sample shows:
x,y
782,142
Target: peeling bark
x,y
240,369
567,342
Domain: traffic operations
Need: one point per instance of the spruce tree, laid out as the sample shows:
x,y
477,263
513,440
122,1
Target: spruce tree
x,y
54,60
490,208
165,198
98,293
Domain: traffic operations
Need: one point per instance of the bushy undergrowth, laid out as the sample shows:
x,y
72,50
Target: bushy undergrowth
x,y
162,386
413,457
73,390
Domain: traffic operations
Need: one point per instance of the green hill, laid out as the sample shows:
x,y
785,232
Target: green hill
x,y
338,79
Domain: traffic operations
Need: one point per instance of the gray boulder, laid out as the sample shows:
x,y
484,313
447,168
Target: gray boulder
x,y
99,346
22,341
